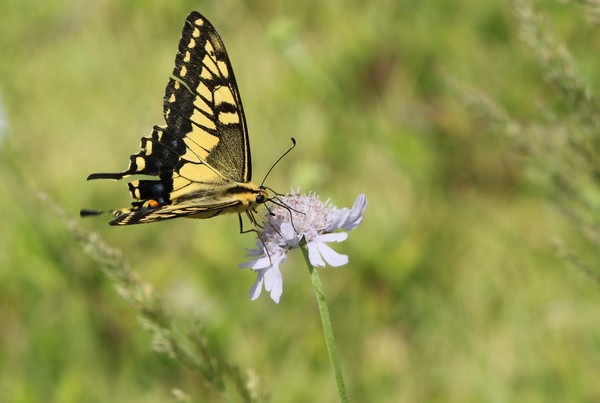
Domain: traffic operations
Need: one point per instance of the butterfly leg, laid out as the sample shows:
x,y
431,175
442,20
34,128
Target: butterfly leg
x,y
252,220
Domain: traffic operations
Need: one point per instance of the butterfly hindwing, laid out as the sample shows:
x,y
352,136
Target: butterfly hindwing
x,y
202,156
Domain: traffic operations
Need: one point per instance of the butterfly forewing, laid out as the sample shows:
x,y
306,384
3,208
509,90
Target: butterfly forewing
x,y
202,156
202,102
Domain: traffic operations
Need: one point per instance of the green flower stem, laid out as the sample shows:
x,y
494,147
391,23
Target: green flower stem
x,y
327,328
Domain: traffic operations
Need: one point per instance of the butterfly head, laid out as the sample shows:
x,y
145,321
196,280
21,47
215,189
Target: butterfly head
x,y
262,196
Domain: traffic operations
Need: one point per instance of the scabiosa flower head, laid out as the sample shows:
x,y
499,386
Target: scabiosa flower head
x,y
300,217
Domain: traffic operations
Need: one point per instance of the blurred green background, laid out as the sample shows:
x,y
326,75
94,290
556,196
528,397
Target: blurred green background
x,y
453,292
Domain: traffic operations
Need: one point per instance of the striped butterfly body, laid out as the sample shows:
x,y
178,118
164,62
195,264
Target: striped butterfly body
x,y
201,157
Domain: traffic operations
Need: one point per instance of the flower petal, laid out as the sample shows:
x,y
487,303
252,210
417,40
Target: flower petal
x,y
332,258
335,237
320,254
314,256
257,287
356,214
339,218
289,235
274,283
259,263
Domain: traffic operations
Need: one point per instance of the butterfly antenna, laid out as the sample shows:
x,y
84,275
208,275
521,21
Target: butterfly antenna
x,y
276,193
279,159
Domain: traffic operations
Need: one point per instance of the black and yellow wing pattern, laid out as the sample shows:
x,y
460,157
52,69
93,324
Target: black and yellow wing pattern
x,y
201,157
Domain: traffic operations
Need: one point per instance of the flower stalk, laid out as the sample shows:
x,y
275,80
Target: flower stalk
x,y
326,323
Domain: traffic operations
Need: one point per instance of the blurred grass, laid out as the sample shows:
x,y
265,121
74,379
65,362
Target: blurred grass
x,y
453,292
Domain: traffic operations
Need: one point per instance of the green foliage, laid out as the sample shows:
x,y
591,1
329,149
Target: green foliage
x,y
455,291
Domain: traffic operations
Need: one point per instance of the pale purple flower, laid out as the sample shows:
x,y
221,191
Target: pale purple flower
x,y
300,216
